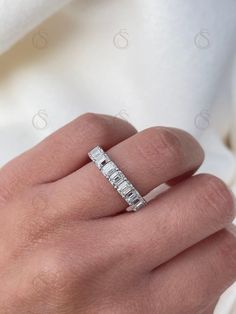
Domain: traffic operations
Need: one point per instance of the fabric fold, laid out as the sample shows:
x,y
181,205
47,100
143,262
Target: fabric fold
x,y
17,18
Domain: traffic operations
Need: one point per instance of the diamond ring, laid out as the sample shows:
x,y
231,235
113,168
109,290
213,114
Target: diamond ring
x,y
117,178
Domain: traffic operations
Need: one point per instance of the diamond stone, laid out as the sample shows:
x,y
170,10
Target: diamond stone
x,y
116,178
99,157
124,188
109,169
102,160
131,197
95,153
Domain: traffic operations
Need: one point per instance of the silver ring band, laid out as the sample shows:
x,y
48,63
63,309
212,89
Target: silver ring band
x,y
117,178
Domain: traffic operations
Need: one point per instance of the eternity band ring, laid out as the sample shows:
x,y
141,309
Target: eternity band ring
x,y
117,179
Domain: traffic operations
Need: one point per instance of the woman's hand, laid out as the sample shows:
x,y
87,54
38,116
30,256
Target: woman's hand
x,y
68,246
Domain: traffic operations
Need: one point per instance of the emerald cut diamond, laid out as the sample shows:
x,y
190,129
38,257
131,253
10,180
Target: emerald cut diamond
x,y
125,188
116,178
109,169
95,153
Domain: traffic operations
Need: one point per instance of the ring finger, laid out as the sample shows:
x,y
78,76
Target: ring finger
x,y
148,159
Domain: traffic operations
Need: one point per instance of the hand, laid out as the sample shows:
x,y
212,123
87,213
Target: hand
x,y
68,246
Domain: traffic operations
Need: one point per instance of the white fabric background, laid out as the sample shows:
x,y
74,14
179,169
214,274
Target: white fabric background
x,y
152,62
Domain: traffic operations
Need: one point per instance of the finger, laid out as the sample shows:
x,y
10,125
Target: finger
x,y
148,159
63,152
175,221
197,276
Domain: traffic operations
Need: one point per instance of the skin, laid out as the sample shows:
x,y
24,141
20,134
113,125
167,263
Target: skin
x,y
67,244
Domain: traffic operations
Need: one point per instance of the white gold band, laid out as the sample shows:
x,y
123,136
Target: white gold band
x,y
117,178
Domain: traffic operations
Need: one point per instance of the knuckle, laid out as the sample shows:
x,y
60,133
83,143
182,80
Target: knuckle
x,y
51,281
54,277
218,197
89,117
168,138
95,124
35,230
161,142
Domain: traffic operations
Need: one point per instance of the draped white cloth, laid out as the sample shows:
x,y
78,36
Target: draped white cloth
x,y
152,62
